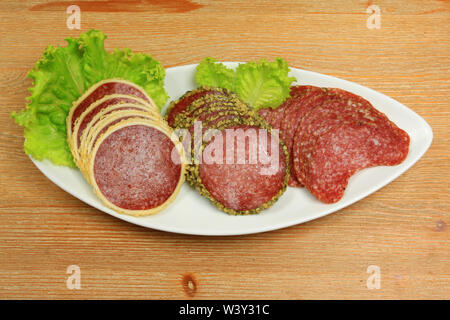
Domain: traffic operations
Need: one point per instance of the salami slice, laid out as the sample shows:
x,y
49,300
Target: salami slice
x,y
99,109
205,104
132,168
98,91
348,148
209,106
237,180
334,111
277,115
102,124
299,105
179,106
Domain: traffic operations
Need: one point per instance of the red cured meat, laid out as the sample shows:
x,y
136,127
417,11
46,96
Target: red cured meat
x,y
348,148
185,101
110,124
242,186
355,99
275,116
88,117
265,112
297,94
298,107
279,113
337,110
113,87
133,168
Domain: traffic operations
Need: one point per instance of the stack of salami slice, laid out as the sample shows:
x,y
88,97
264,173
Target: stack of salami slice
x,y
125,149
227,142
331,134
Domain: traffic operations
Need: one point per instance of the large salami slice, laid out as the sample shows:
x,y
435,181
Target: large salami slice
x,y
348,148
102,124
132,168
337,110
237,180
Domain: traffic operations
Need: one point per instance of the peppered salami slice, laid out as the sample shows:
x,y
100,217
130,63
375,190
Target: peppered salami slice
x,y
208,103
233,175
208,112
298,106
345,149
180,106
133,169
100,90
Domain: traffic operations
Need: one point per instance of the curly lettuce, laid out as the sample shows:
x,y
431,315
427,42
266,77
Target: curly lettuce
x,y
261,84
213,74
63,74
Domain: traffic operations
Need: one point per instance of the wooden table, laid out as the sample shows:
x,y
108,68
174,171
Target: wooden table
x,y
404,229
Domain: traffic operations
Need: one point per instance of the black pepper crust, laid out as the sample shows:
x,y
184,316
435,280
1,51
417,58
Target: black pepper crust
x,y
224,92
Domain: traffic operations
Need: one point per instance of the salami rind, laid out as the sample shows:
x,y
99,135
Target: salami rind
x,y
132,168
345,149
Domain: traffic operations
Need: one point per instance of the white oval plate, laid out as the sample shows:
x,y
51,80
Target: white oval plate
x,y
192,214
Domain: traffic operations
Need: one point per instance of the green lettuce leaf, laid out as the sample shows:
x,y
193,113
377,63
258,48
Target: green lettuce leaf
x,y
63,74
213,74
261,84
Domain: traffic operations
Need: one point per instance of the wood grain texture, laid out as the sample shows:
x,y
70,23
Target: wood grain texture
x,y
403,228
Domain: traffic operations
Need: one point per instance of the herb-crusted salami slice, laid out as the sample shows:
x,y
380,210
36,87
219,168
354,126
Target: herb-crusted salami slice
x,y
177,107
234,178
